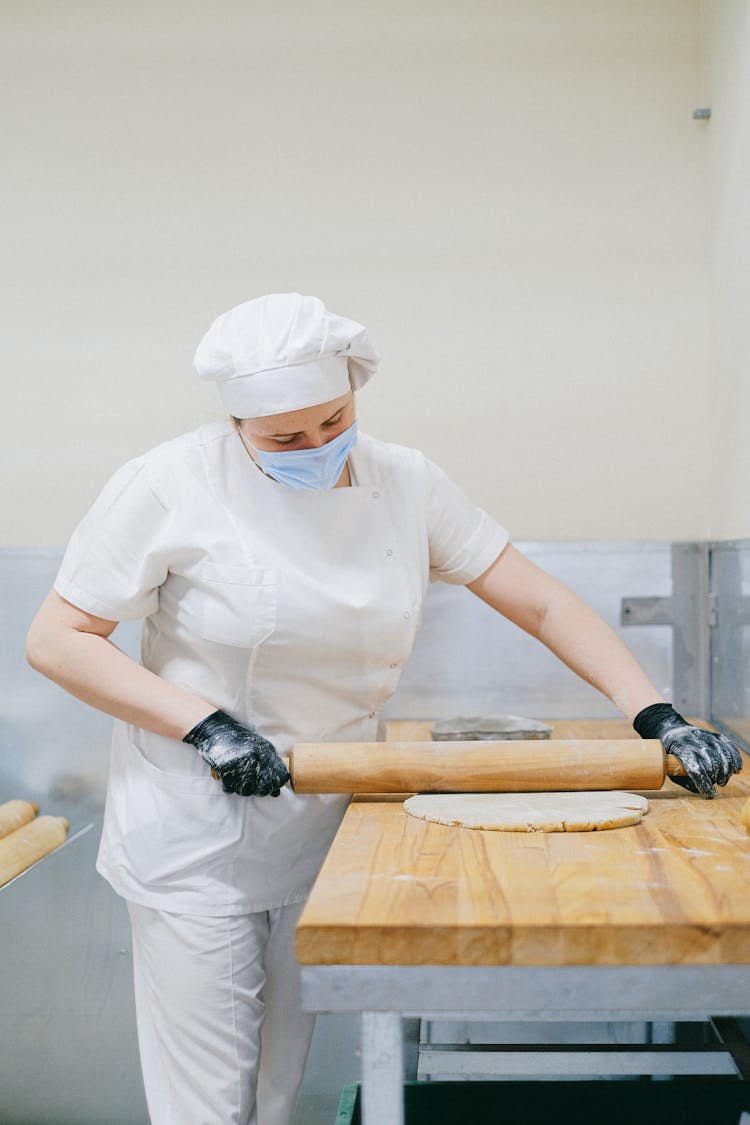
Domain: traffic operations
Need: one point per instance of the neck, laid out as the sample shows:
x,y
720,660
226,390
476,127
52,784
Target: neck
x,y
345,479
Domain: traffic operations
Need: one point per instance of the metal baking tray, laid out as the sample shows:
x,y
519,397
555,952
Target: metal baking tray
x,y
486,728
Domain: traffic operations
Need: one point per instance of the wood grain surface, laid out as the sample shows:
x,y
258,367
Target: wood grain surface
x,y
674,889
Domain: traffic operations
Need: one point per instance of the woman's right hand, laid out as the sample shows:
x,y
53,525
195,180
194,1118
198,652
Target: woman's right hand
x,y
245,762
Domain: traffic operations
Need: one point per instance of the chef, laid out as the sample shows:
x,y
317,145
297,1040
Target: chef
x,y
279,563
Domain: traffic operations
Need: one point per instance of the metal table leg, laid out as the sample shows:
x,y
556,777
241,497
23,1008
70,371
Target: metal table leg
x,y
382,1069
662,1032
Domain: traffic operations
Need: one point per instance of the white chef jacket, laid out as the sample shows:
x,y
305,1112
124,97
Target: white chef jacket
x,y
294,611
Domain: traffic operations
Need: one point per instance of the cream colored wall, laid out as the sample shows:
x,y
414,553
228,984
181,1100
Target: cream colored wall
x,y
511,196
726,30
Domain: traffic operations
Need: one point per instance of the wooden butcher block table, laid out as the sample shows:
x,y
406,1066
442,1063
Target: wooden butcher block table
x,y
648,922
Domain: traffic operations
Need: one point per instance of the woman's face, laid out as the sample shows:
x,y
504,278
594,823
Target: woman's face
x,y
308,428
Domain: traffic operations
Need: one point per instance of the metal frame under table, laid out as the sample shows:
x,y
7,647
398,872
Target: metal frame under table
x,y
386,994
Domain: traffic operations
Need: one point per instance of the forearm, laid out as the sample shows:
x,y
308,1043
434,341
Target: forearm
x,y
590,648
93,669
551,612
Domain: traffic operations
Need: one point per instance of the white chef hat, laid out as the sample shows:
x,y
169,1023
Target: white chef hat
x,y
283,352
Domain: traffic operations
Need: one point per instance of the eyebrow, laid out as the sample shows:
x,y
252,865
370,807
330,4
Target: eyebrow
x,y
295,433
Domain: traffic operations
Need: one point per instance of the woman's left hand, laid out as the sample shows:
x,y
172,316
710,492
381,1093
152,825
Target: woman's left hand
x,y
709,759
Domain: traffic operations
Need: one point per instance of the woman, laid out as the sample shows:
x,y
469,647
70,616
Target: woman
x,y
279,564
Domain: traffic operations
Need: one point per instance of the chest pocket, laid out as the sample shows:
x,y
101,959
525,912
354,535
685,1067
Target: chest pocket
x,y
238,604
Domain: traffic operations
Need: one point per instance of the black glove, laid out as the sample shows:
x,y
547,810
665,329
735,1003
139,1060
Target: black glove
x,y
246,762
709,759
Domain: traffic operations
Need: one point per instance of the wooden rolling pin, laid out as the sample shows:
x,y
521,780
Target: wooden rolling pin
x,y
477,767
15,813
29,843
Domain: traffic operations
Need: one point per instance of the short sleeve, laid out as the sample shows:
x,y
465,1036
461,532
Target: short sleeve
x,y
464,539
117,559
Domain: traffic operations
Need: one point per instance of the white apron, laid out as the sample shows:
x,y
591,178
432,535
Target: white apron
x,y
294,611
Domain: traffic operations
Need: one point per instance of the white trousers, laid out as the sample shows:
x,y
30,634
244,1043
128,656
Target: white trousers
x,y
222,1036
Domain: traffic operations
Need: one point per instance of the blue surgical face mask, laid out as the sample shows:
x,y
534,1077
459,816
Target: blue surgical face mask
x,y
317,469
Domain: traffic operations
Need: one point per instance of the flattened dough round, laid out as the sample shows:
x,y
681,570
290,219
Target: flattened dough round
x,y
530,812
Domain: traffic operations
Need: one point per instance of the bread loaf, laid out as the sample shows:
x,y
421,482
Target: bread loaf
x,y
15,813
29,843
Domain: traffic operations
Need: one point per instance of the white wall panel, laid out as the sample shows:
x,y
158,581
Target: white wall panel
x,y
511,195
